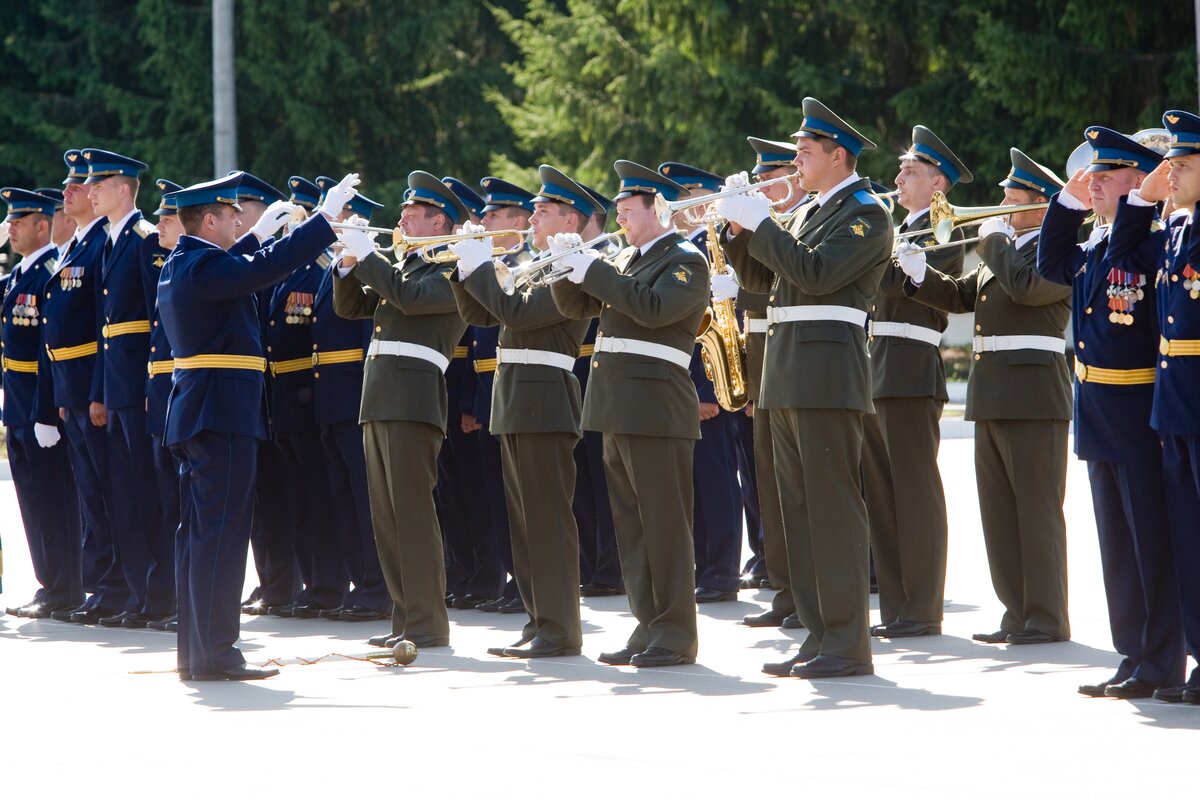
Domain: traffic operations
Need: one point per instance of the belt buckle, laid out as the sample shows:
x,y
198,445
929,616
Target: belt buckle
x,y
1164,346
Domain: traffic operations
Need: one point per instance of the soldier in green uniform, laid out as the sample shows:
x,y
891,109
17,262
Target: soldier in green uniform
x,y
536,407
906,505
650,300
403,410
822,272
1019,396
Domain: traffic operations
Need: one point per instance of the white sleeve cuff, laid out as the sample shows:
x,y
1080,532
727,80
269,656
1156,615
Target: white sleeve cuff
x,y
1135,199
1071,201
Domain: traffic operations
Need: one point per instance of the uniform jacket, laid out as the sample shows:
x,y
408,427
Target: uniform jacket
x,y
908,367
337,388
205,297
659,298
1165,253
1112,423
408,302
753,305
70,312
158,387
1009,298
28,396
831,255
289,338
123,298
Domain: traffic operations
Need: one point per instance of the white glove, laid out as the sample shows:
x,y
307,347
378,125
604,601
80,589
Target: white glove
x,y
472,253
337,197
3,233
358,241
737,180
996,225
725,286
273,219
47,435
912,261
747,210
561,242
579,262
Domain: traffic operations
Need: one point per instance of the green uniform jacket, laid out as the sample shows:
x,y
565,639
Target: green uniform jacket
x,y
908,367
411,302
526,398
1008,298
818,364
661,299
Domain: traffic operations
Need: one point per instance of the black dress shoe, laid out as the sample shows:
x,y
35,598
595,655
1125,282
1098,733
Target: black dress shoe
x,y
997,637
136,619
171,626
1192,696
240,673
332,613
115,620
660,657
284,610
704,595
903,629
308,610
619,658
256,608
791,621
364,614
767,619
1032,636
382,639
831,667
1131,689
469,601
162,624
1170,694
748,582
501,652
1097,689
92,615
422,640
495,605
513,606
598,590
540,648
782,669
42,610
64,614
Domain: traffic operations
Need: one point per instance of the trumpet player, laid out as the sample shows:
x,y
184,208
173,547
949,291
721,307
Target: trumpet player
x,y
906,504
650,300
1018,397
535,414
822,272
403,412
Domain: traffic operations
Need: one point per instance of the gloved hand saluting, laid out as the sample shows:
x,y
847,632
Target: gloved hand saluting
x,y
337,197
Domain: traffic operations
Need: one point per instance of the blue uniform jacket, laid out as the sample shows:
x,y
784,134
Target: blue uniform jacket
x,y
478,386
28,390
337,387
158,387
123,299
1112,422
1170,256
289,339
71,321
205,296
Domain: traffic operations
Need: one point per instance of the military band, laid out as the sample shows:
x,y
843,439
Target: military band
x,y
510,410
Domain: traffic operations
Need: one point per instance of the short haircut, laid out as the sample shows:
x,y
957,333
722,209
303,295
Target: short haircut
x,y
601,219
192,217
581,219
133,183
828,145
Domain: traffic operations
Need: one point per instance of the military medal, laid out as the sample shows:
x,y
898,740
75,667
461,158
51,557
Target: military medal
x,y
1124,291
1191,282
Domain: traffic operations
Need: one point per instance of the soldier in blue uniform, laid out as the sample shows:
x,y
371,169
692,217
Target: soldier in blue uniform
x,y
717,524
70,335
1116,333
143,546
1168,254
40,468
338,348
217,409
62,227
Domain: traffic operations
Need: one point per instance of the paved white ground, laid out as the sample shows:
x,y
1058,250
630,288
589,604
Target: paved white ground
x,y
943,717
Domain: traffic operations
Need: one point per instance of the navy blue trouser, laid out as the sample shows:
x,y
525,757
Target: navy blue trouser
x,y
274,557
87,449
346,466
309,507
473,564
743,440
1181,468
717,529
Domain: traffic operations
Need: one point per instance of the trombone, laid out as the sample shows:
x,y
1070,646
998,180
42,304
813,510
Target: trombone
x,y
538,273
666,209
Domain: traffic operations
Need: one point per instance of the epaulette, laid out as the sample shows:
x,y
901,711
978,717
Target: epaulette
x,y
324,260
144,228
687,247
866,197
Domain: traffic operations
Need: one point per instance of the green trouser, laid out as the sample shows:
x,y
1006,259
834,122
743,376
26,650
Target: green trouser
x,y
401,473
771,514
650,491
906,507
817,454
539,482
1021,473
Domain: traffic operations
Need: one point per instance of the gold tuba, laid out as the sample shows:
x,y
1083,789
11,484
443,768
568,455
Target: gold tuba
x,y
721,341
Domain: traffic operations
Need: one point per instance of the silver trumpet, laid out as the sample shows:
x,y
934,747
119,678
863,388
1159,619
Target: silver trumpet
x,y
665,209
539,272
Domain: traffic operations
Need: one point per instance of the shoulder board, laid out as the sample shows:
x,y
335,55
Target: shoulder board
x,y
324,260
865,197
687,247
144,228
50,264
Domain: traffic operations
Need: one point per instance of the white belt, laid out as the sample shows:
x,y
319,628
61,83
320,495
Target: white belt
x,y
506,355
386,348
983,344
905,330
756,325
775,315
614,344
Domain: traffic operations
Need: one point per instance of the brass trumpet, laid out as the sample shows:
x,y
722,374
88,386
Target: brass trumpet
x,y
945,218
401,243
538,273
666,209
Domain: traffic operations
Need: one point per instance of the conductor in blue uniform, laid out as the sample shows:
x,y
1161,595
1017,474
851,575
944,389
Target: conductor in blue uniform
x,y
216,412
